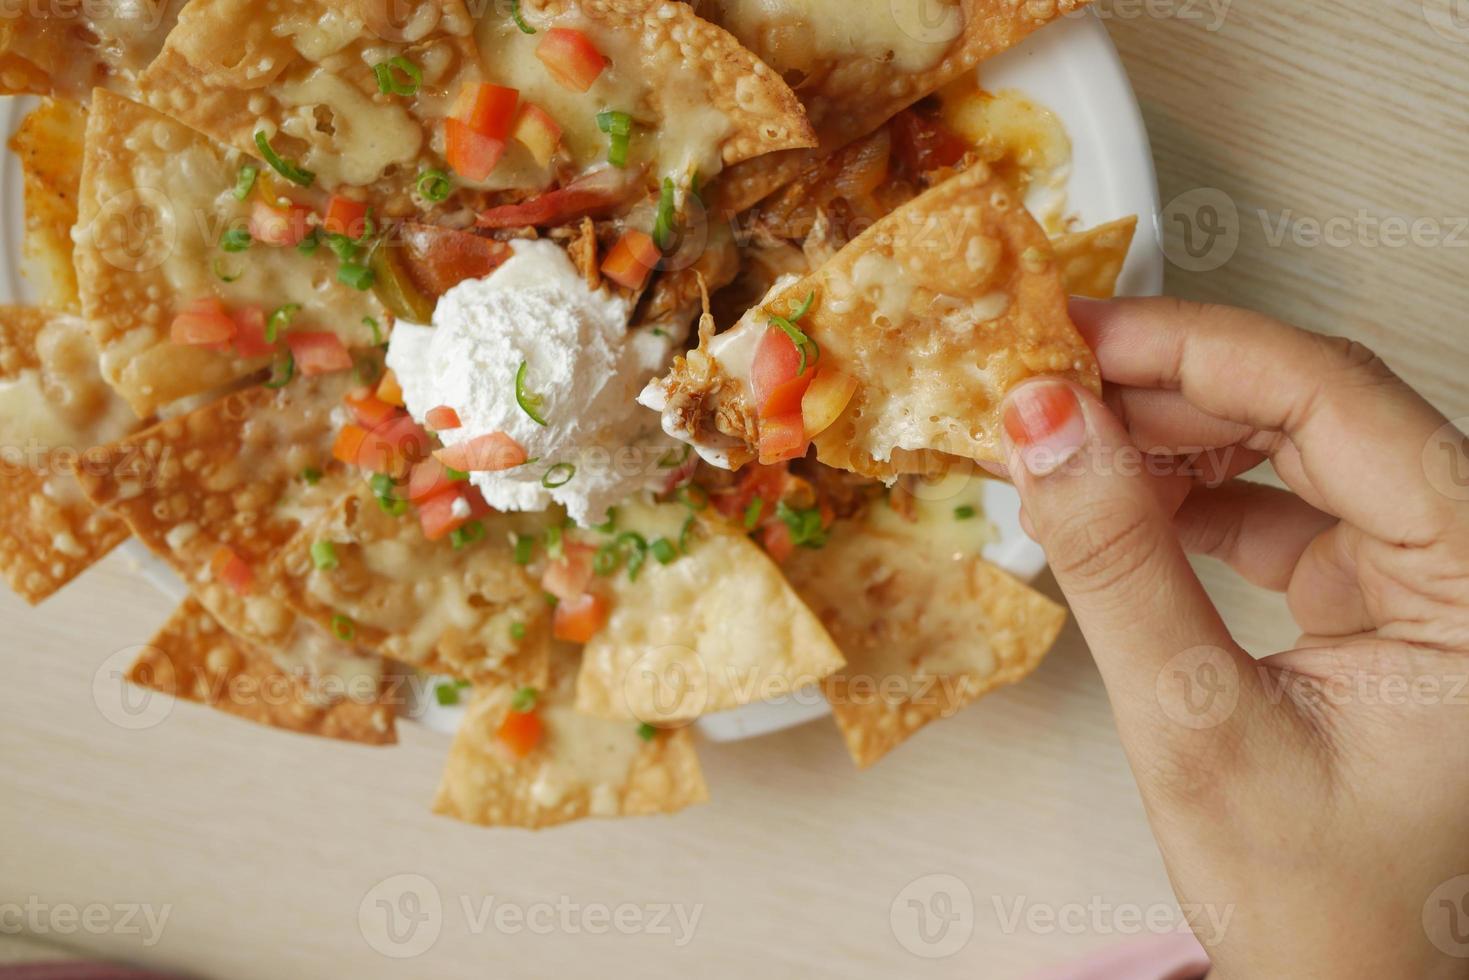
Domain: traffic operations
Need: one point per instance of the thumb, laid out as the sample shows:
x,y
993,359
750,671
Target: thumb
x,y
1112,547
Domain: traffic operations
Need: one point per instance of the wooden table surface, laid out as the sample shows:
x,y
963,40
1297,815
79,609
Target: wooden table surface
x,y
263,847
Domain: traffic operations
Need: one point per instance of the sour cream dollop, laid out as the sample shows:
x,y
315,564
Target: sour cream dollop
x,y
584,369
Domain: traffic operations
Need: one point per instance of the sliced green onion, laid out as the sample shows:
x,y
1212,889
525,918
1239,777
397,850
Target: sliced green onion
x,y
964,513
618,126
551,600
636,547
343,627
287,169
435,185
696,181
245,181
659,332
553,541
530,404
686,534
279,320
804,308
342,247
354,275
446,694
805,525
324,555
377,331
455,476
663,550
519,20
282,371
663,224
558,476
524,699
389,72
610,524
311,475
222,275
467,535
607,558
366,370
787,325
647,732
369,229
235,240
617,150
525,549
517,631
309,244
752,513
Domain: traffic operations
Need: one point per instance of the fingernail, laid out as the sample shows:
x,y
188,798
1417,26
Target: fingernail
x,y
1044,425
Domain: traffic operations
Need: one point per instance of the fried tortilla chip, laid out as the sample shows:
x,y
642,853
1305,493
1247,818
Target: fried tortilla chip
x,y
49,146
580,766
227,479
67,49
923,635
937,311
856,65
156,207
54,409
468,611
699,100
714,629
195,658
1092,260
304,74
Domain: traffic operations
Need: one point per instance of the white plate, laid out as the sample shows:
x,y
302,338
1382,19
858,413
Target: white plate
x,y
1070,67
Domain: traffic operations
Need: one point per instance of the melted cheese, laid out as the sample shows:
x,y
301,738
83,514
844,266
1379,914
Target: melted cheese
x,y
582,753
368,136
64,404
796,35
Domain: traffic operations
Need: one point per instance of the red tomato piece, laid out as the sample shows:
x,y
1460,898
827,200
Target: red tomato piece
x,y
348,446
487,109
429,479
250,333
521,732
484,454
537,132
775,367
782,438
442,418
632,259
775,537
578,620
230,569
568,576
345,216
472,155
388,389
597,191
396,446
278,227
437,259
203,323
318,352
571,58
443,514
369,410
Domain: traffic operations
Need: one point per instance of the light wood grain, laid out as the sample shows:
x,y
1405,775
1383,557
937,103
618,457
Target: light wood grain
x,y
265,844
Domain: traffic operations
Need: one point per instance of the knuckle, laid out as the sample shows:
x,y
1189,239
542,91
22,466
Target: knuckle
x,y
1101,545
1355,363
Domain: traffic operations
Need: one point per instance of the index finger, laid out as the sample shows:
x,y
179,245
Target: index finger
x,y
1359,429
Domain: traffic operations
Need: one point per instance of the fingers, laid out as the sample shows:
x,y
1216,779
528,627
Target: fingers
x,y
1261,532
1109,539
1324,593
1358,429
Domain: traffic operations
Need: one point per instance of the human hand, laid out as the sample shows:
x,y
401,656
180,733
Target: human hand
x,y
1296,790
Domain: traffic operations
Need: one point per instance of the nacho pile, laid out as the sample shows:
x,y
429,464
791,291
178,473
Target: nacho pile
x,y
244,214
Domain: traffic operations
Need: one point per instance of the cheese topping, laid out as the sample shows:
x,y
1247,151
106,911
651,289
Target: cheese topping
x,y
64,403
366,136
799,35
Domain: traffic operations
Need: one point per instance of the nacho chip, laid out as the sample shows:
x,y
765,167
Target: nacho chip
x,y
448,610
856,65
49,145
68,49
156,205
714,629
937,311
700,101
54,409
1092,260
195,658
581,767
229,476
923,635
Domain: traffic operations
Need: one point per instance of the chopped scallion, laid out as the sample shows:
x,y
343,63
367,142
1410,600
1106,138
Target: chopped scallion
x,y
525,549
558,476
311,475
398,76
287,169
282,371
647,732
235,240
354,275
447,694
964,513
519,19
663,550
663,223
467,535
245,181
324,556
309,244
517,631
279,320
753,511
377,331
223,276
524,699
343,627
531,404
435,185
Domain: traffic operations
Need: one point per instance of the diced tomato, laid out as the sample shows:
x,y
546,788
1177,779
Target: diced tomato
x,y
429,479
436,259
345,216
443,514
442,418
278,227
578,620
825,401
571,58
250,332
774,376
369,410
484,454
521,732
348,446
782,438
230,569
487,109
924,143
775,537
389,391
318,352
632,259
395,447
472,155
768,483
203,323
597,191
568,576
537,132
